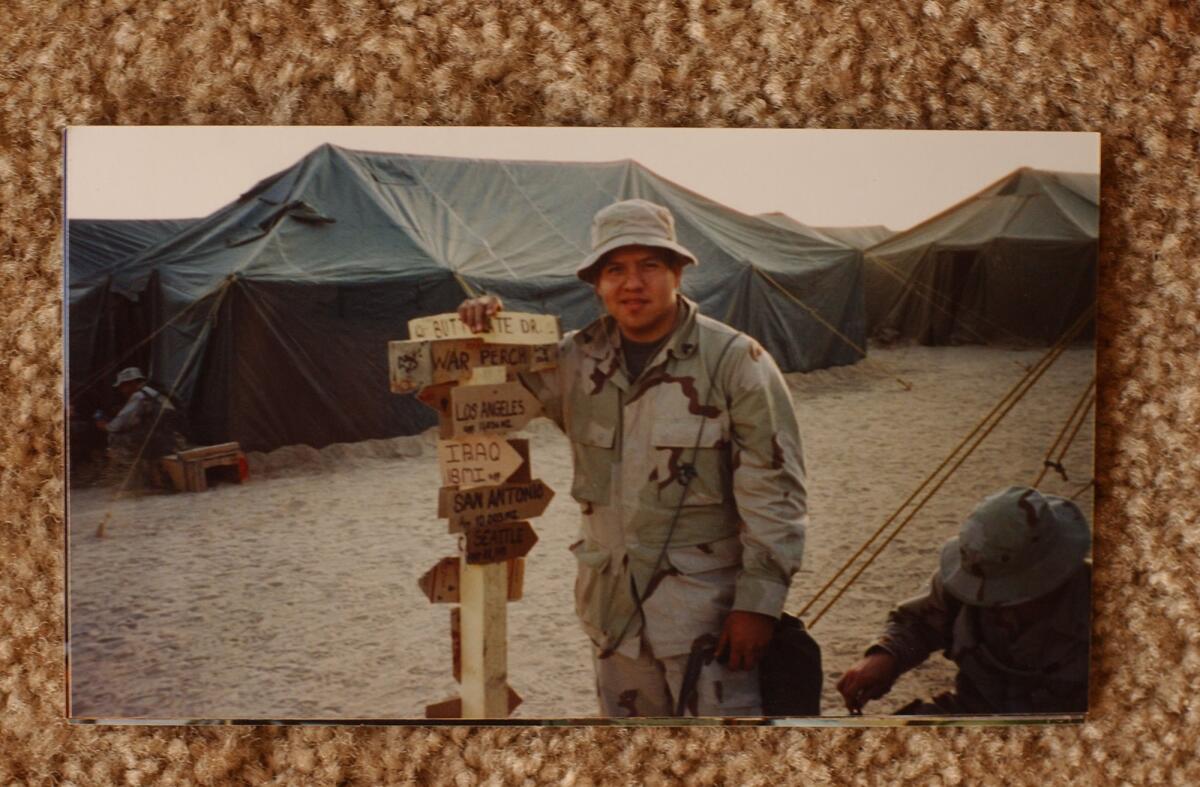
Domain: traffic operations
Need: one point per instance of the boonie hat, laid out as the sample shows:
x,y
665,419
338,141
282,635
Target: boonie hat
x,y
633,222
1017,545
129,375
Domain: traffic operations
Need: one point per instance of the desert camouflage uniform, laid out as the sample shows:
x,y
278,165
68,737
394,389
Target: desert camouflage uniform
x,y
1043,669
740,530
139,435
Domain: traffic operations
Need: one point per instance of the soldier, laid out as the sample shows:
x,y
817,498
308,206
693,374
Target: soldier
x,y
143,430
1009,605
689,474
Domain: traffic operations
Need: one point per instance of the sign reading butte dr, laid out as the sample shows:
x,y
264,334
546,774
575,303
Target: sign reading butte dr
x,y
506,328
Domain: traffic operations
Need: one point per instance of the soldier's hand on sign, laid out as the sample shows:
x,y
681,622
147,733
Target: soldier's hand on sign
x,y
869,679
744,637
476,313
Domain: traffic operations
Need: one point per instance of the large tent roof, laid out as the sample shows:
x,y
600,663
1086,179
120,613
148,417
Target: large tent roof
x,y
860,237
97,246
322,263
1016,261
1026,204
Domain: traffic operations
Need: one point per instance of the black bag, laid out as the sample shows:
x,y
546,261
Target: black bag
x,y
790,673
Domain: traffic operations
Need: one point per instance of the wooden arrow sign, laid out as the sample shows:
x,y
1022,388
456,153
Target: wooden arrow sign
x,y
452,708
413,365
441,584
421,363
477,461
482,506
505,328
494,543
491,409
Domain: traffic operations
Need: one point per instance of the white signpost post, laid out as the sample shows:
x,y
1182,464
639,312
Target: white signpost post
x,y
487,493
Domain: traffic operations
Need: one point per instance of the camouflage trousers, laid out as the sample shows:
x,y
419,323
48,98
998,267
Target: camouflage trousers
x,y
649,686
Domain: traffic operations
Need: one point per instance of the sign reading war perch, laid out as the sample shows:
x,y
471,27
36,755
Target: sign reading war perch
x,y
506,328
477,461
420,363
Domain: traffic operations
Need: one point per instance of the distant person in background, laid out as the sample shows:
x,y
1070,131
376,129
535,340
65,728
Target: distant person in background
x,y
1010,605
144,430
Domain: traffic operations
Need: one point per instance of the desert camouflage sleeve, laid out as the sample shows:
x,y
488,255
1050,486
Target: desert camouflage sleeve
x,y
550,386
768,478
918,627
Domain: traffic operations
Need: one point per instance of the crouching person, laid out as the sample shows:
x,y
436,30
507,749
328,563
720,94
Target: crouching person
x,y
145,429
1010,605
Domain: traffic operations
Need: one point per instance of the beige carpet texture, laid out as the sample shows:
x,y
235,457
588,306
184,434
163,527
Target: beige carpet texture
x,y
1130,70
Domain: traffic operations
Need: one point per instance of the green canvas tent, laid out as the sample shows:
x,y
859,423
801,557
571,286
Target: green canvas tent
x,y
1015,263
862,237
272,315
101,326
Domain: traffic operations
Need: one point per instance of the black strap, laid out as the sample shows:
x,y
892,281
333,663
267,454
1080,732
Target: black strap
x,y
686,477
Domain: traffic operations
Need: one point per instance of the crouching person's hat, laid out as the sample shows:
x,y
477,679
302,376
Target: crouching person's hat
x,y
1017,545
633,222
129,375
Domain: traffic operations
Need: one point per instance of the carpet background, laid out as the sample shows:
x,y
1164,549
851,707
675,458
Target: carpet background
x,y
1128,69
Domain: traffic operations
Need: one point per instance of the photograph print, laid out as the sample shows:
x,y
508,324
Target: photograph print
x,y
567,425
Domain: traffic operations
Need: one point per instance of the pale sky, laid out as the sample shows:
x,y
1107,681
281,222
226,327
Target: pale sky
x,y
822,178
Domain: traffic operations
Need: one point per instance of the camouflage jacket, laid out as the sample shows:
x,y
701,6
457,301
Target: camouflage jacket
x,y
1042,669
739,533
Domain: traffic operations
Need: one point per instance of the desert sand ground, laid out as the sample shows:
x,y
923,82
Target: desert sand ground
x,y
295,594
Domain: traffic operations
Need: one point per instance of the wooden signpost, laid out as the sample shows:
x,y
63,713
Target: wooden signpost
x,y
488,493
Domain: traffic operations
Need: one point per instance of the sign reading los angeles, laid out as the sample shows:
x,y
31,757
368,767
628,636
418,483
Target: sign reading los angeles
x,y
491,409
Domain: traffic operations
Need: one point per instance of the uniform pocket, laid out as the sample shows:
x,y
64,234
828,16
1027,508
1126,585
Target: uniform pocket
x,y
592,452
590,580
692,446
706,557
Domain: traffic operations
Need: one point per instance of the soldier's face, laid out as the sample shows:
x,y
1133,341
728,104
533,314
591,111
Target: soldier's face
x,y
638,286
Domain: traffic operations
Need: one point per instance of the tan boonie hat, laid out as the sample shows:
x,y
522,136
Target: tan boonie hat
x,y
1017,545
633,222
129,375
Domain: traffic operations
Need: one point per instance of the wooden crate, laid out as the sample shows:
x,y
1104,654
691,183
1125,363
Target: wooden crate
x,y
188,469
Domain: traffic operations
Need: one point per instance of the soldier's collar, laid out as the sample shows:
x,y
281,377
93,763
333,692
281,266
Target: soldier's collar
x,y
602,339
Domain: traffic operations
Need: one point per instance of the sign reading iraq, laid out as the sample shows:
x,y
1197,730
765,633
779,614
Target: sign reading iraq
x,y
477,461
